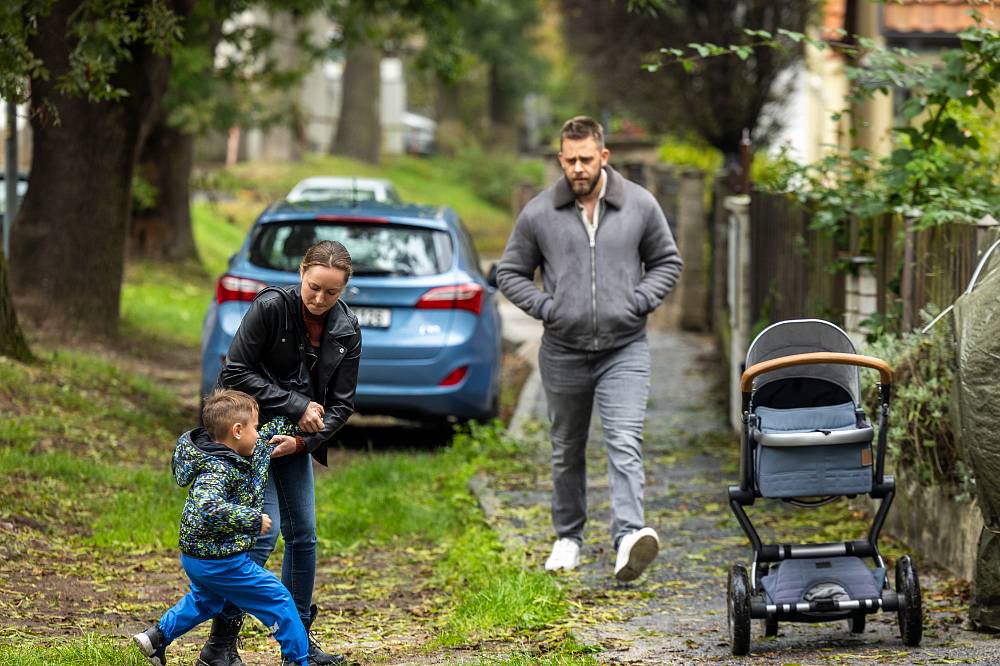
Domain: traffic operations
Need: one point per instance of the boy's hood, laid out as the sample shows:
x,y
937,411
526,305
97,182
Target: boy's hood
x,y
196,452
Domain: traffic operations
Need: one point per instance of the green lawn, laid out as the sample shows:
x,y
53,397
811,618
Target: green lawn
x,y
86,438
85,454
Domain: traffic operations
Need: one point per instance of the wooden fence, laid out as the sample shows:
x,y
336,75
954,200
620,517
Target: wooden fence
x,y
943,259
792,276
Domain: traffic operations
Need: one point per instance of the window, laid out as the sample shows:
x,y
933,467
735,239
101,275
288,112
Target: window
x,y
376,248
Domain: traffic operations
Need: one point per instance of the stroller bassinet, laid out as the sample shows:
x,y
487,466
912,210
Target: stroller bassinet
x,y
807,441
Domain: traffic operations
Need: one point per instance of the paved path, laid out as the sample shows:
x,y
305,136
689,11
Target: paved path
x,y
676,613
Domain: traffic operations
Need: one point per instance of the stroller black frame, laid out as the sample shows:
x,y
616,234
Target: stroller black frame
x,y
745,597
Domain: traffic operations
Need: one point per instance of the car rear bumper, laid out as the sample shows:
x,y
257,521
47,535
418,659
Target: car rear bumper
x,y
424,402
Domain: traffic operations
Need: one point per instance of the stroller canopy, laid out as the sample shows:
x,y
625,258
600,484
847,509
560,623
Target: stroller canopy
x,y
802,336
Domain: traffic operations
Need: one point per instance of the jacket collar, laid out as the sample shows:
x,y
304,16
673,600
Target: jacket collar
x,y
614,195
201,440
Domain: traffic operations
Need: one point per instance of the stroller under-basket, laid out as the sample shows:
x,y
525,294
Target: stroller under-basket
x,y
806,441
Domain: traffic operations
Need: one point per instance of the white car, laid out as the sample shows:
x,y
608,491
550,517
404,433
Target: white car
x,y
343,188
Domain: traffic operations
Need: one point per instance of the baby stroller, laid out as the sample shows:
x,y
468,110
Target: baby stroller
x,y
806,441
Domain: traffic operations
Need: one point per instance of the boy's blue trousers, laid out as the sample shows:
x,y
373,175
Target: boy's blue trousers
x,y
246,584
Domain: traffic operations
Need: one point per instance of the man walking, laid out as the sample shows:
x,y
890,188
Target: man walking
x,y
607,259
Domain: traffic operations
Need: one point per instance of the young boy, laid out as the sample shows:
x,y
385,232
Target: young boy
x,y
226,464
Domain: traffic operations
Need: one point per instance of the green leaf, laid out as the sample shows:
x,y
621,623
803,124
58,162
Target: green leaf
x,y
951,134
794,36
901,156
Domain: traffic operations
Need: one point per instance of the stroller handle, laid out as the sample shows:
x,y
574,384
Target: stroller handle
x,y
812,358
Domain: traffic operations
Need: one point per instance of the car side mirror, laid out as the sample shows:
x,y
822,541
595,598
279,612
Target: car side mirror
x,y
491,276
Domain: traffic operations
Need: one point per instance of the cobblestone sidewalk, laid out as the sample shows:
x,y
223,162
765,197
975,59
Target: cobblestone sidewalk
x,y
676,612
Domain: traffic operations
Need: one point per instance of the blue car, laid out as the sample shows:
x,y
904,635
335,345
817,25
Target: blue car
x,y
429,320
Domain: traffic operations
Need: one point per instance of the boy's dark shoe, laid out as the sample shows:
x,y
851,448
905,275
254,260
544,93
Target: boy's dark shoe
x,y
220,649
316,653
152,645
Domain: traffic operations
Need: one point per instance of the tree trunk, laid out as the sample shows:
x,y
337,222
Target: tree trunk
x,y
163,231
359,131
448,104
451,134
68,241
12,342
501,112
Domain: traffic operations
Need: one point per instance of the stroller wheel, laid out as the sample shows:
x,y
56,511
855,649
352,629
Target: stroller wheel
x,y
770,627
911,619
856,623
738,607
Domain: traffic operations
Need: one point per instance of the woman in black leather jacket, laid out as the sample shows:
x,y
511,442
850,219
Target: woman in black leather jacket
x,y
296,351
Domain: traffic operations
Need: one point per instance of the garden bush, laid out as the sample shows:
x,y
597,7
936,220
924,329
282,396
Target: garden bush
x,y
921,434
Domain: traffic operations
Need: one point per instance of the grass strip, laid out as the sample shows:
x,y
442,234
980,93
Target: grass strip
x,y
89,650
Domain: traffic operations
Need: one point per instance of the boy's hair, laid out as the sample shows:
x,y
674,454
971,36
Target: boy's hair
x,y
223,408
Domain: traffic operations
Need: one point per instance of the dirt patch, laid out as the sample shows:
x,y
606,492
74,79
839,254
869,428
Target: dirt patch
x,y
377,604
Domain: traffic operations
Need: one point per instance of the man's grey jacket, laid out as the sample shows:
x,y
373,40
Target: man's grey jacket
x,y
596,296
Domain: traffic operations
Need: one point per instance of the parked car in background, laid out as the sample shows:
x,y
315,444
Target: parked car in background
x,y
418,134
22,189
430,325
343,188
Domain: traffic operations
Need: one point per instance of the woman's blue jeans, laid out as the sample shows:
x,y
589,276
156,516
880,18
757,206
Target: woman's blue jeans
x,y
290,501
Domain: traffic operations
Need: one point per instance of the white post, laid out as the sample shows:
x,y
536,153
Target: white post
x,y
739,300
860,299
10,205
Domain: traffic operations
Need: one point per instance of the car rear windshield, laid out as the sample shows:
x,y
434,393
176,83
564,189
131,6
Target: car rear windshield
x,y
334,194
376,248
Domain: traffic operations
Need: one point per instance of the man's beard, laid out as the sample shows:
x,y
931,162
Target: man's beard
x,y
582,189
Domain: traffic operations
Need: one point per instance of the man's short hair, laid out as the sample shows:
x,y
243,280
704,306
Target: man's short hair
x,y
223,408
582,127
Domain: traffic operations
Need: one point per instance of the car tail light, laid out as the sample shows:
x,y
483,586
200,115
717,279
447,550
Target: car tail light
x,y
455,376
232,288
467,296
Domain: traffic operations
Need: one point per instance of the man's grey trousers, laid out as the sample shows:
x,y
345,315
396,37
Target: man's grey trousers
x,y
618,381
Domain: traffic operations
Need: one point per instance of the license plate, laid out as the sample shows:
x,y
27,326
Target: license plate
x,y
373,317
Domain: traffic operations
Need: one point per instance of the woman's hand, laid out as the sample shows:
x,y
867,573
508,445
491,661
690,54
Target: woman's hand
x,y
265,523
312,420
283,445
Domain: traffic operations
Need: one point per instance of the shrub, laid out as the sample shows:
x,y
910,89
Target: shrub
x,y
493,175
921,437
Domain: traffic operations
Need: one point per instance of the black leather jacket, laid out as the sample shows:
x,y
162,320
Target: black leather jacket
x,y
267,359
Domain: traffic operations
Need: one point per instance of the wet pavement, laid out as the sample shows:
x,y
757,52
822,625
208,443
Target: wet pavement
x,y
676,613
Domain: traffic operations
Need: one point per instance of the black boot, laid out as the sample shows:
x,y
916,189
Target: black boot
x,y
316,653
220,649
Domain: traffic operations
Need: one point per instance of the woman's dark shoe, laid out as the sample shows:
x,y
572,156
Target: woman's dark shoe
x,y
316,653
220,649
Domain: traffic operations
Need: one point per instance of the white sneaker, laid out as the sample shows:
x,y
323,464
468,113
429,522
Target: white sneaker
x,y
635,551
565,555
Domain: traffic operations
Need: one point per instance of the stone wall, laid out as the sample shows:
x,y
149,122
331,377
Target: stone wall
x,y
936,528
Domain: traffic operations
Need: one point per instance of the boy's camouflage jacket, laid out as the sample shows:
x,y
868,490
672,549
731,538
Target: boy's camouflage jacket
x,y
222,514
